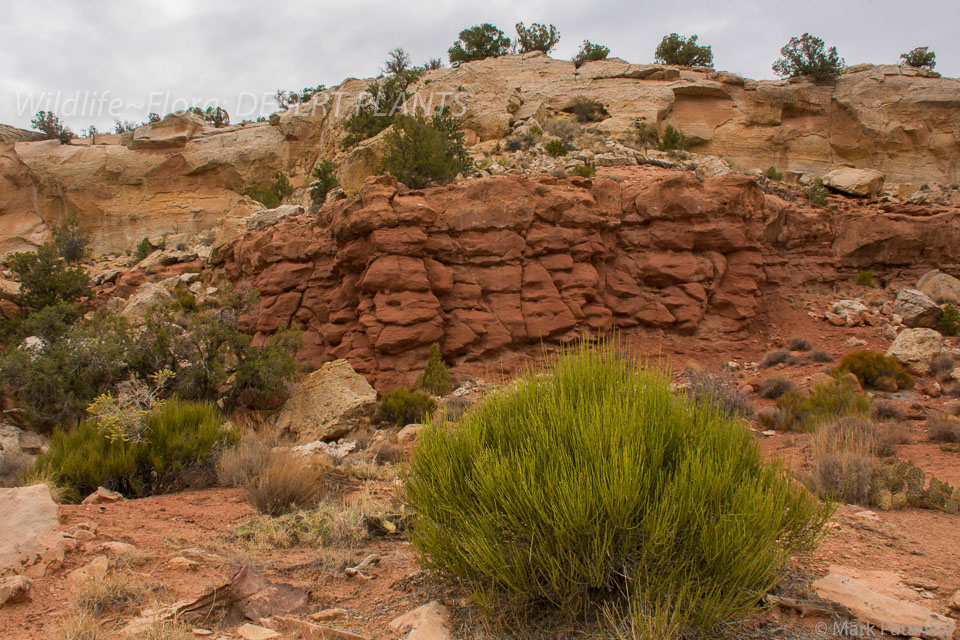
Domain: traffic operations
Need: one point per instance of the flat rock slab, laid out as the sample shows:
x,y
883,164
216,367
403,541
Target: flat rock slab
x,y
29,525
890,615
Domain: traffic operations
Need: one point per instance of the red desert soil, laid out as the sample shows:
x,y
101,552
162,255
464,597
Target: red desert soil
x,y
923,546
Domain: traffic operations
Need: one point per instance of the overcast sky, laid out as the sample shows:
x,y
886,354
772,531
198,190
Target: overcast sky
x,y
146,54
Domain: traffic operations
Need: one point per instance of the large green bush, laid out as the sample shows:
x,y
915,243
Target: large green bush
x,y
537,37
435,377
72,240
590,52
324,180
479,42
176,450
920,57
679,50
421,152
592,482
403,406
46,280
807,56
50,125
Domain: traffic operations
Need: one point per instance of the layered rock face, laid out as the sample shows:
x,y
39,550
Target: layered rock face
x,y
498,264
180,175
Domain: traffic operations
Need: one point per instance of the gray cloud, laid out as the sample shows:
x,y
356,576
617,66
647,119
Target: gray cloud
x,y
196,51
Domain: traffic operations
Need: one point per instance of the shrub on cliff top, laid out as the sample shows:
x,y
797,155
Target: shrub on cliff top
x,y
422,151
806,56
920,57
592,483
590,52
479,42
537,37
682,51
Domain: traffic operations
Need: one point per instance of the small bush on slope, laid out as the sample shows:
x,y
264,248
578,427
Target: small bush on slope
x,y
871,367
573,488
176,450
830,401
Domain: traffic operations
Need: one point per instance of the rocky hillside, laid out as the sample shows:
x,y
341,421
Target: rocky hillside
x,y
181,176
493,267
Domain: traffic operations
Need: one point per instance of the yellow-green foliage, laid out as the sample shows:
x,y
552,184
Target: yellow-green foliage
x,y
871,367
799,412
556,147
583,171
403,406
435,377
592,481
865,279
949,322
175,449
772,173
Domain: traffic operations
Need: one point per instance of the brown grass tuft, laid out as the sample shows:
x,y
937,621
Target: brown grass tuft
x,y
287,483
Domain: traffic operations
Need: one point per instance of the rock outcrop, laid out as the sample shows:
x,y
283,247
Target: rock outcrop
x,y
180,175
502,264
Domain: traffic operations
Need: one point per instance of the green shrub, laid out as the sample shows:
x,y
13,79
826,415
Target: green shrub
x,y
920,57
865,279
435,378
816,193
594,483
590,52
586,109
72,240
58,379
270,195
771,173
420,152
324,180
583,171
46,280
479,42
805,56
217,116
673,140
870,367
537,37
403,407
286,99
685,52
799,412
47,123
384,99
177,451
949,322
556,147
144,249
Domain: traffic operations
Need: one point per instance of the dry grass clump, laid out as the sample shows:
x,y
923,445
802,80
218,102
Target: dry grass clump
x,y
389,453
718,388
843,461
773,388
775,357
820,356
886,410
942,366
286,484
244,461
799,344
944,429
115,591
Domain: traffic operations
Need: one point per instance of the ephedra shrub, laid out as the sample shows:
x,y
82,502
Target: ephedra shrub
x,y
591,484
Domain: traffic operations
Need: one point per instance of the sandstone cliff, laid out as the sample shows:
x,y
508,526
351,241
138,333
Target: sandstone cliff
x,y
494,266
182,176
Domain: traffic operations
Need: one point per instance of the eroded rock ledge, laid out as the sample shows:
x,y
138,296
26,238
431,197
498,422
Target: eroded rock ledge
x,y
491,265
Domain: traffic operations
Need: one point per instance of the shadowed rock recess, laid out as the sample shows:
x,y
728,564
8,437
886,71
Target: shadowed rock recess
x,y
486,267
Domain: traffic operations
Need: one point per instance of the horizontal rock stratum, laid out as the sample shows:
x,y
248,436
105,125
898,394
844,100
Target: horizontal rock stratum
x,y
492,266
182,176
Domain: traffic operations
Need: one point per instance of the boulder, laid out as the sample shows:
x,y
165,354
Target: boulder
x,y
915,349
916,308
19,448
428,622
328,404
175,130
847,313
143,299
940,286
891,615
102,495
29,525
269,217
14,589
854,182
